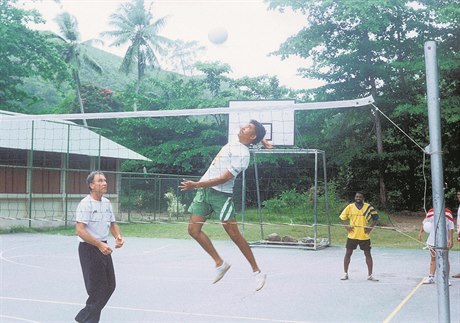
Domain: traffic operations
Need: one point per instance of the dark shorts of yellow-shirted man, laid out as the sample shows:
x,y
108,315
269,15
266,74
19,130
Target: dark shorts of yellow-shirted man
x,y
354,243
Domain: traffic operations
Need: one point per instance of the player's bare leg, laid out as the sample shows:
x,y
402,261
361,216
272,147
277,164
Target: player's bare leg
x,y
194,229
347,260
231,227
369,262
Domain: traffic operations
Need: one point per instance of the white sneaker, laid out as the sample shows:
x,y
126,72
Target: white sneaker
x,y
344,277
428,280
260,280
372,278
220,271
450,283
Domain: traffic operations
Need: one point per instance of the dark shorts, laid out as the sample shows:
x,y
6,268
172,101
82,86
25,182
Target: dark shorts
x,y
354,243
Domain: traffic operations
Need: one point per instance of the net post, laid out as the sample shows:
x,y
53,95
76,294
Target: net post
x,y
437,180
259,206
326,196
243,199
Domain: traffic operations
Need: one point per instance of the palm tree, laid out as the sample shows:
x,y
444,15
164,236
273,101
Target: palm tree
x,y
74,52
135,25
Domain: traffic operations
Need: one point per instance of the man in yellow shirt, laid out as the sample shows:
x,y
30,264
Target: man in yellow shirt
x,y
356,217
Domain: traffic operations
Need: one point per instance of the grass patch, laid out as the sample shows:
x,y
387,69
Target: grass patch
x,y
252,232
282,224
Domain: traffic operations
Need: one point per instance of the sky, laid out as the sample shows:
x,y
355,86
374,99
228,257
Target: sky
x,y
253,31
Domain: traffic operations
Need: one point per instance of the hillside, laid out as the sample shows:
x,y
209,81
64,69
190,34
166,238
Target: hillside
x,y
50,96
112,78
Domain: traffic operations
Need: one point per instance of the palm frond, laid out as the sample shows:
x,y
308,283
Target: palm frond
x,y
92,63
68,26
134,24
128,60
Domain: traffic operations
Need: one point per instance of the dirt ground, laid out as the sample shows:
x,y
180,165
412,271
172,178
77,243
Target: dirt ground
x,y
405,221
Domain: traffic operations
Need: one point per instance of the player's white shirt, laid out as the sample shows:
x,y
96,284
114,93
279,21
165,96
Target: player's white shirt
x,y
233,157
97,215
430,218
458,222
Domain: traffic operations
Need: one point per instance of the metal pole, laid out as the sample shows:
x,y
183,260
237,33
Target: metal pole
x,y
30,170
259,205
66,176
328,218
437,181
243,200
315,204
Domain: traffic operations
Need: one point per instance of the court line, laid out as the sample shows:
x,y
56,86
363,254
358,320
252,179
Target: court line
x,y
404,301
2,257
157,311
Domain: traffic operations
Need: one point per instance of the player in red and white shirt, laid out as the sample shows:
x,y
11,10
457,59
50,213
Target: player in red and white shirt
x,y
458,226
429,226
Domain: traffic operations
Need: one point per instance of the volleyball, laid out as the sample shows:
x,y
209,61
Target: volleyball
x,y
427,226
218,35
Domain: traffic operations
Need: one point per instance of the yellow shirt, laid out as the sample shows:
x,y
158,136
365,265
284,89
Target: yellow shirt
x,y
359,218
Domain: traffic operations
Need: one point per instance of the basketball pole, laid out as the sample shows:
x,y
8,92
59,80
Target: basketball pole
x,y
437,181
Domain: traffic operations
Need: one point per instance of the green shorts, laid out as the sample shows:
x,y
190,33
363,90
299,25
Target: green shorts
x,y
208,201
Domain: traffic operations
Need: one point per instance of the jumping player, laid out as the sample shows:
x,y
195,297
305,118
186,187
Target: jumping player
x,y
215,196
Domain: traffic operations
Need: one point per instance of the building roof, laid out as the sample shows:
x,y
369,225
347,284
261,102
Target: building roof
x,y
61,137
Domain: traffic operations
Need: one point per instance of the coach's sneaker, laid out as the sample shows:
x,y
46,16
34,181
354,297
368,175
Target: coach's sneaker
x,y
428,280
220,271
344,277
260,279
372,278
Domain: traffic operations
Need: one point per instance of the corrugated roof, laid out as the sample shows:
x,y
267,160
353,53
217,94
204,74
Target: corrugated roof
x,y
60,136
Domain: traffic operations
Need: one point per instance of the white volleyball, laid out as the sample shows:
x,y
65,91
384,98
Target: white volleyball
x,y
218,35
427,226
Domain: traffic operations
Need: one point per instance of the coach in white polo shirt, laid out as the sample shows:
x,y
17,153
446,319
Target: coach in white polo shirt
x,y
94,221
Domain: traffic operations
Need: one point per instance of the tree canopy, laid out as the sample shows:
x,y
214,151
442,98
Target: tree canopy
x,y
25,53
376,47
357,47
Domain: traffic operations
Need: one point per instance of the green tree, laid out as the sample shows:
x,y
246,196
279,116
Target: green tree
x,y
214,72
135,25
367,47
74,52
182,56
261,88
24,53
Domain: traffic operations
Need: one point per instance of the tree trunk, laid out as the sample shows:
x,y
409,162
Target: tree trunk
x,y
78,91
137,93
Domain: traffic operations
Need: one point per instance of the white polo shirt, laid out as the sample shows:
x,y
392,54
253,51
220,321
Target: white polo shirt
x,y
97,215
233,157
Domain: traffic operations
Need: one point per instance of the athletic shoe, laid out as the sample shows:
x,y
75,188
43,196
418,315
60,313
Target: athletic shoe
x,y
428,280
220,271
450,283
456,276
372,278
260,280
344,277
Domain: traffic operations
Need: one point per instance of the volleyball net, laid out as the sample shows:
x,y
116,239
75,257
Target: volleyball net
x,y
44,161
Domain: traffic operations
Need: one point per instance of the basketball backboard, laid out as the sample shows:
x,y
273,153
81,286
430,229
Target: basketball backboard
x,y
276,118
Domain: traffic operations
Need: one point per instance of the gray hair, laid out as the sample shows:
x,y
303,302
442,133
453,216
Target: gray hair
x,y
91,176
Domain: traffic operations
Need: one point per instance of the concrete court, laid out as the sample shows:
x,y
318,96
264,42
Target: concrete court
x,y
167,280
